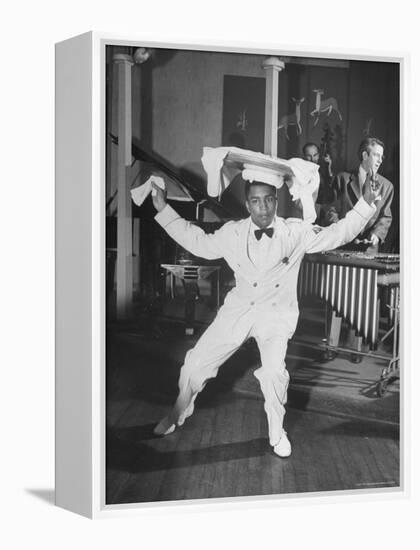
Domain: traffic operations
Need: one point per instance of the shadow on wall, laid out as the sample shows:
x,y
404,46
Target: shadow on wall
x,y
232,202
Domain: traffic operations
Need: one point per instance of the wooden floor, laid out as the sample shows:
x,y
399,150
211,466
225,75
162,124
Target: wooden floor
x,y
223,449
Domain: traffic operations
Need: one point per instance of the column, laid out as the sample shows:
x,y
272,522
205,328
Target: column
x,y
272,65
124,223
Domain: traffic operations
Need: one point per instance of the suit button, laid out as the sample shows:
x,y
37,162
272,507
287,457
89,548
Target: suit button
x,y
252,303
277,285
255,284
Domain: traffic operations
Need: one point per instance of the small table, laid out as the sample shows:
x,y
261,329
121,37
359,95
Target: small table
x,y
190,275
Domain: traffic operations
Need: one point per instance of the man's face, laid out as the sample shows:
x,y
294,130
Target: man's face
x,y
261,204
311,153
372,159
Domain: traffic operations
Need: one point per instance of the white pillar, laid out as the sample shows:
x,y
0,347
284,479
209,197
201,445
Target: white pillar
x,y
124,222
272,65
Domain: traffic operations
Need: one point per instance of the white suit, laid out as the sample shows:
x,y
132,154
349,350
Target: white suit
x,y
263,303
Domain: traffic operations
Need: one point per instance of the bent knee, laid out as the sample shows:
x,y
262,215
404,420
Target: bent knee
x,y
272,372
273,364
273,353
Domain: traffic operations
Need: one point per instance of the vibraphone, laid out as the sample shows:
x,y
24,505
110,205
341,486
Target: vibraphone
x,y
350,283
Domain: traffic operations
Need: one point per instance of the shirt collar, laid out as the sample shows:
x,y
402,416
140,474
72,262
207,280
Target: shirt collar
x,y
362,175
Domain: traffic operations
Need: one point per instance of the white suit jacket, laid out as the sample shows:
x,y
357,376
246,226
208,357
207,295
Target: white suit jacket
x,y
267,294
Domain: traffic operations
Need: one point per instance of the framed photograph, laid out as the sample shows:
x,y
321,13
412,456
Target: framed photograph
x,y
228,260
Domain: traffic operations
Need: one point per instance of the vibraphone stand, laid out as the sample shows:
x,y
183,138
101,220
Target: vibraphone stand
x,y
351,284
392,371
333,323
389,373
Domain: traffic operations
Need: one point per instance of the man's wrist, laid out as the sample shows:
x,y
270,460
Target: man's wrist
x,y
364,208
166,215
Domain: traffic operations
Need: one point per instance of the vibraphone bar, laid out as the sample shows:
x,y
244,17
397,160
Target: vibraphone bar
x,y
348,282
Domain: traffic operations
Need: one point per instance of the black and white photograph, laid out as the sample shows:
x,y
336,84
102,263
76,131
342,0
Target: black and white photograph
x,y
210,304
252,207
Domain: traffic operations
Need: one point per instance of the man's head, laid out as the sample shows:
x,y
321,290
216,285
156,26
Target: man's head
x,y
261,202
371,154
311,152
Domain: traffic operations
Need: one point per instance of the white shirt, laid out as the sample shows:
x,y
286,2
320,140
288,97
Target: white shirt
x,y
258,250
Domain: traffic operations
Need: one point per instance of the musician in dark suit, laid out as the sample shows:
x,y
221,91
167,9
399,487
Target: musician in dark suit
x,y
311,153
347,188
288,208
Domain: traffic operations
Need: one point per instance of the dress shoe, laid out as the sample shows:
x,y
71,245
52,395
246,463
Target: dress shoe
x,y
283,447
165,427
170,422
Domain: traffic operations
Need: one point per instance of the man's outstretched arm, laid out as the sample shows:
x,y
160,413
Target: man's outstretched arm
x,y
349,227
186,234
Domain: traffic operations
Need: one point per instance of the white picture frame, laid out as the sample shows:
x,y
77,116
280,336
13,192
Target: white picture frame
x,y
80,272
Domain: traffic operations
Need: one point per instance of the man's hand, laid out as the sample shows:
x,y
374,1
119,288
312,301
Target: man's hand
x,y
158,197
328,160
371,189
328,163
374,239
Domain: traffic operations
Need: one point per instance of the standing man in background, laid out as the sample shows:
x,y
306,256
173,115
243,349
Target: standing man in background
x,y
310,152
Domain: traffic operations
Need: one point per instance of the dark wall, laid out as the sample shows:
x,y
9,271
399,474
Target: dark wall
x,y
364,100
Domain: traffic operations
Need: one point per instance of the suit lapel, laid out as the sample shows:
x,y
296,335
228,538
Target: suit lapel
x,y
244,259
354,184
276,244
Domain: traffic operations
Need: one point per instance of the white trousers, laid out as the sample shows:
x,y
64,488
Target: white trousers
x,y
218,343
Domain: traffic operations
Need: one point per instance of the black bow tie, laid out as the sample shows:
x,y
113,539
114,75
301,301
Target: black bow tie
x,y
268,231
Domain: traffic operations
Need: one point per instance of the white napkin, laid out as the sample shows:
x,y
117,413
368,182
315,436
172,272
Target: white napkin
x,y
303,182
304,185
139,194
219,176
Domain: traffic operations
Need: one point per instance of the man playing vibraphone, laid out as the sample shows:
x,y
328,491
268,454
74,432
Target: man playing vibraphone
x,y
347,189
265,253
